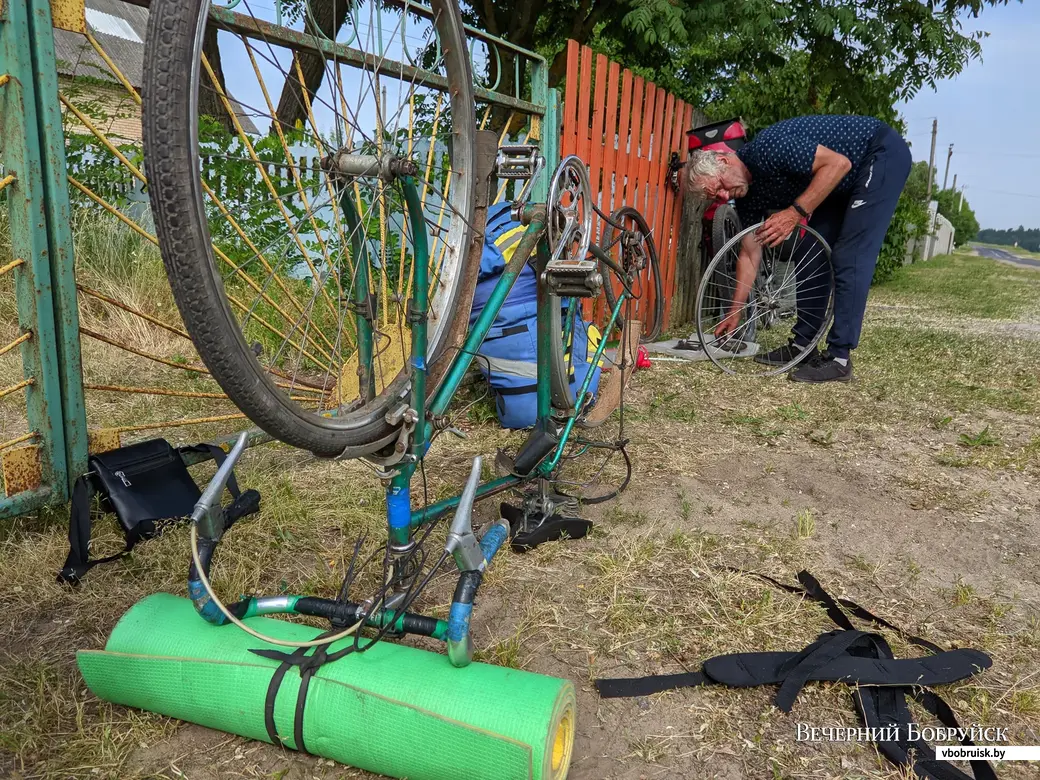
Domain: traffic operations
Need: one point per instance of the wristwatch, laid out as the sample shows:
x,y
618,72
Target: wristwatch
x,y
800,210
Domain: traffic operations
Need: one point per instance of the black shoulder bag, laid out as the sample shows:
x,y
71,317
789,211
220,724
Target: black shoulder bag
x,y
146,485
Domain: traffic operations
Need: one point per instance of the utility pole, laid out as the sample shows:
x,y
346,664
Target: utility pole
x,y
947,174
931,161
960,206
955,182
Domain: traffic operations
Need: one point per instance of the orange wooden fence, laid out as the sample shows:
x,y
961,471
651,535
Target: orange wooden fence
x,y
625,130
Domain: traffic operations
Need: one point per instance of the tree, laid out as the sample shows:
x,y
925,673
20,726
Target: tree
x,y
700,46
210,103
960,214
917,183
1027,239
322,19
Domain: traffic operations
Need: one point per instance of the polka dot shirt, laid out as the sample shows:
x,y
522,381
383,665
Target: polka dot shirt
x,y
781,158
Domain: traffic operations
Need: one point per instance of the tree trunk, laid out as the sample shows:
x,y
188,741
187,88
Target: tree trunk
x,y
329,15
210,103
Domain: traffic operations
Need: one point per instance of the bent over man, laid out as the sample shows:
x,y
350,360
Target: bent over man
x,y
842,173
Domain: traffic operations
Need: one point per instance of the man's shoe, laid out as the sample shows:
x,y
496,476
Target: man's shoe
x,y
822,368
781,356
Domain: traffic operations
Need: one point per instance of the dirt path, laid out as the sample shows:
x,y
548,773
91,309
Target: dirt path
x,y
912,491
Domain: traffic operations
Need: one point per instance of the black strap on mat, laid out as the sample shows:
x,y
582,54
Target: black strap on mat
x,y
308,666
78,562
879,706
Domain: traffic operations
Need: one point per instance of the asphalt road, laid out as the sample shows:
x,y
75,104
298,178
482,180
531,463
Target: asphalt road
x,y
1003,254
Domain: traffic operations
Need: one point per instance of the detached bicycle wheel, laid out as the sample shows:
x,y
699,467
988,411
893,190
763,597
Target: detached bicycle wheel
x,y
648,300
724,225
784,312
278,187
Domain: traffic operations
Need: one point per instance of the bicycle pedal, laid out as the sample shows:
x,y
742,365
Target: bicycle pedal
x,y
518,161
529,530
504,464
573,279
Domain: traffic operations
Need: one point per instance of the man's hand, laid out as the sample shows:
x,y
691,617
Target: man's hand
x,y
778,227
729,324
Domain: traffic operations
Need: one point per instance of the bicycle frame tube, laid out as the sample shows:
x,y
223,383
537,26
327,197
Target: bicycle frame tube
x,y
418,308
366,378
461,362
398,494
545,337
439,404
548,467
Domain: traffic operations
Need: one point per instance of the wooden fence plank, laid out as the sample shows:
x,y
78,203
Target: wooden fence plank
x,y
584,101
596,154
663,195
620,153
653,197
570,101
610,137
632,152
649,117
624,130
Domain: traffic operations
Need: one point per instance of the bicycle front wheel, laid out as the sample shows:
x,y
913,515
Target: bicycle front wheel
x,y
279,154
789,301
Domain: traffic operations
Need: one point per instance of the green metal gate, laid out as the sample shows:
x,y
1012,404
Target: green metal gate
x,y
48,415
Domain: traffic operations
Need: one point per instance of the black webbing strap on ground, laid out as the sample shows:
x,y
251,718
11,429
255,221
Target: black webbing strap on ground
x,y
848,655
627,687
308,666
811,587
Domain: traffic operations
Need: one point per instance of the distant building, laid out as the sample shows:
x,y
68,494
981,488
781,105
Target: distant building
x,y
88,82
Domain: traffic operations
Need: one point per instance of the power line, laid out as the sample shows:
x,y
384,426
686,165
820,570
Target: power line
x,y
1002,192
999,154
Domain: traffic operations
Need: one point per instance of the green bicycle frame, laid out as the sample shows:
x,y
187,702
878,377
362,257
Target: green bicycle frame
x,y
402,521
460,364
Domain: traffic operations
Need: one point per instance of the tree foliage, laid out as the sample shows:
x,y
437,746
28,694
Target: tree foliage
x,y
1023,237
960,214
702,46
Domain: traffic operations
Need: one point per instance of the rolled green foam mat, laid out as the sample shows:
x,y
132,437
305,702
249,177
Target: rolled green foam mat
x,y
393,710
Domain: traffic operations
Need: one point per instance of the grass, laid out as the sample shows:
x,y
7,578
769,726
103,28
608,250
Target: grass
x,y
805,524
963,285
936,435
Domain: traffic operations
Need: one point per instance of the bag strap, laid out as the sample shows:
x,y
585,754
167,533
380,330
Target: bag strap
x,y
219,456
78,562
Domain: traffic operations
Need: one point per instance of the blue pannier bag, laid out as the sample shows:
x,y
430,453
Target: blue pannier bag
x,y
509,353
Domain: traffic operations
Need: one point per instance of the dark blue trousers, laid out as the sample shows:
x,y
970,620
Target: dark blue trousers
x,y
854,225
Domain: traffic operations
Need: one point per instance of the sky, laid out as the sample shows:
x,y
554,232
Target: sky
x,y
991,115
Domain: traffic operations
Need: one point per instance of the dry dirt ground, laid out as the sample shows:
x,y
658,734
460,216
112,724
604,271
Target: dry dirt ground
x,y
912,491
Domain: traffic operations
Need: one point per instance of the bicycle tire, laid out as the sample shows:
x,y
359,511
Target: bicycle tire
x,y
652,329
170,122
707,285
725,223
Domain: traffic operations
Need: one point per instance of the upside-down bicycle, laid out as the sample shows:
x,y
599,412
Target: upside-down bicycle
x,y
332,304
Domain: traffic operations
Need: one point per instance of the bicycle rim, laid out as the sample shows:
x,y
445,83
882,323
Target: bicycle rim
x,y
293,276
648,299
797,274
